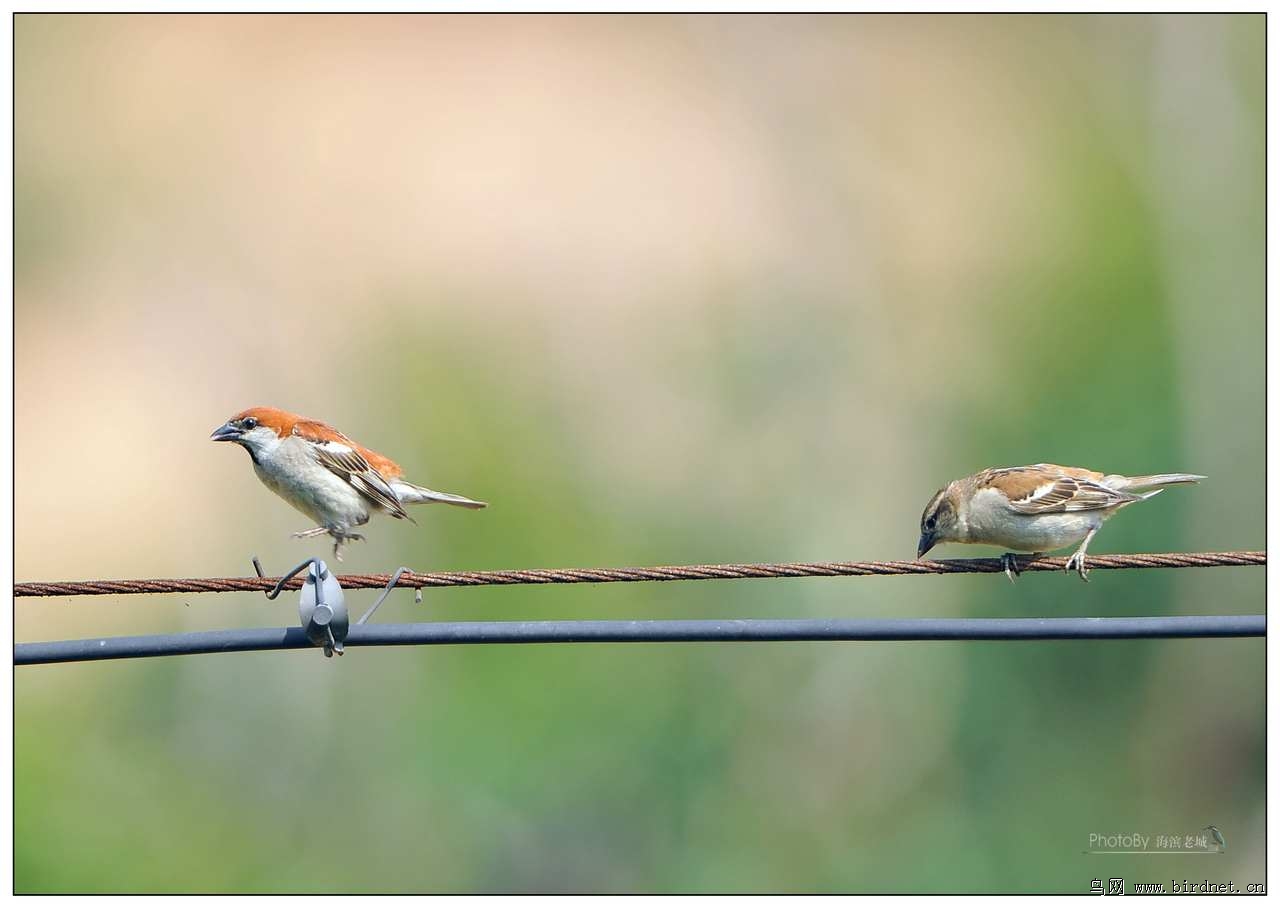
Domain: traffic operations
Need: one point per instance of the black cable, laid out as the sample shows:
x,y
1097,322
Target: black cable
x,y
727,631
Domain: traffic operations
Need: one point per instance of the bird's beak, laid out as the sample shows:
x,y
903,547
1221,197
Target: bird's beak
x,y
225,432
926,543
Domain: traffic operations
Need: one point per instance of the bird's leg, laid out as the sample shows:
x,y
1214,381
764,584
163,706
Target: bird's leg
x,y
339,537
1011,569
1076,561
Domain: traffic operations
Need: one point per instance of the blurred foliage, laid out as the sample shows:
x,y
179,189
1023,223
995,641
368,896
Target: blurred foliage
x,y
687,289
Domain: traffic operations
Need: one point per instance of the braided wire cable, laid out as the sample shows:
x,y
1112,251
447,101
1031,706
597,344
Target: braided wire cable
x,y
415,580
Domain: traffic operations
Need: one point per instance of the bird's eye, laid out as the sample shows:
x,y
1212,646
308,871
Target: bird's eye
x,y
249,422
931,523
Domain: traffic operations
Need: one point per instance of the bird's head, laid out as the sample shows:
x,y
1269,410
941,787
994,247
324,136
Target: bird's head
x,y
940,521
258,429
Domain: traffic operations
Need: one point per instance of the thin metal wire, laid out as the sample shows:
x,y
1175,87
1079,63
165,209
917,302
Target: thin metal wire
x,y
414,580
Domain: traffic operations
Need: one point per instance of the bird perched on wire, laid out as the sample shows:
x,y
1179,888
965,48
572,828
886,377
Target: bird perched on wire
x,y
324,474
1034,509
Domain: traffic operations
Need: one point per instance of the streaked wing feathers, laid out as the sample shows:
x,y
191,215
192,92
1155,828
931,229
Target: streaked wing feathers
x,y
1039,490
316,431
351,465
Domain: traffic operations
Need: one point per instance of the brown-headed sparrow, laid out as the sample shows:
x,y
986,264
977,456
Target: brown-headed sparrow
x,y
1034,509
325,475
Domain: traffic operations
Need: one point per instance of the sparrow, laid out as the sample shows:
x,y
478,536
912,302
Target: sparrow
x,y
1035,509
335,481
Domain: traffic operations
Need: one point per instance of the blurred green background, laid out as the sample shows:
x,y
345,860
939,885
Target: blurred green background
x,y
665,289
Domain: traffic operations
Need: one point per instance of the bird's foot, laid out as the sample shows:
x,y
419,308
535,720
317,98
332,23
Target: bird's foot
x,y
1076,563
1011,568
311,533
1014,569
340,538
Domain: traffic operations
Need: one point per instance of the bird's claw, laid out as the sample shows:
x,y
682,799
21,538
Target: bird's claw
x,y
338,542
1011,568
1076,563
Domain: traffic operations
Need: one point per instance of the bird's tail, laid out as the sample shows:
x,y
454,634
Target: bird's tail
x,y
1157,481
411,494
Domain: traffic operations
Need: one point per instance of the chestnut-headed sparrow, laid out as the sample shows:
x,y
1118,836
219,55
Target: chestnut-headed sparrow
x,y
325,475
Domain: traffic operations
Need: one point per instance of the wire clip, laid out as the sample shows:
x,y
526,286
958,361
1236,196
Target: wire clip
x,y
322,606
391,585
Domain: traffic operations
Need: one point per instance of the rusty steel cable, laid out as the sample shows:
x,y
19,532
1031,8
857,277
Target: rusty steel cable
x,y
415,580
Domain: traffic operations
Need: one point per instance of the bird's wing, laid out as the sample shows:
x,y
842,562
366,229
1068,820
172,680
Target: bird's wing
x,y
348,460
1042,489
1073,472
350,464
